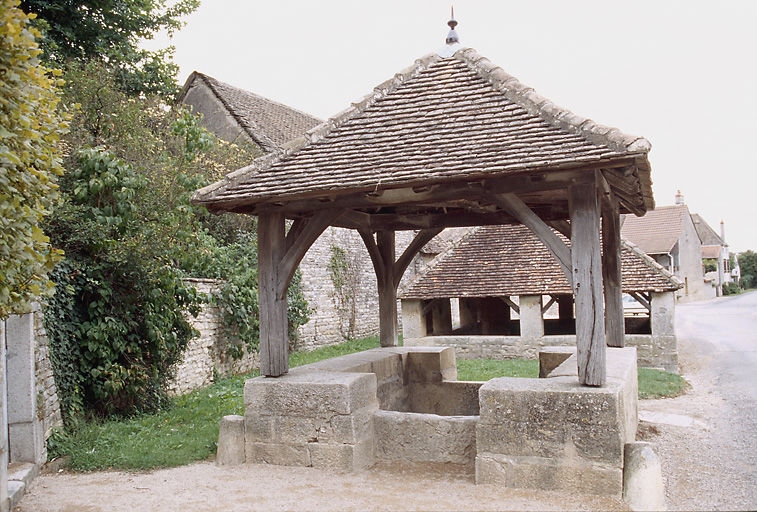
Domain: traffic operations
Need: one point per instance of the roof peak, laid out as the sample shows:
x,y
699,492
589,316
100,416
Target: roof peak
x,y
452,36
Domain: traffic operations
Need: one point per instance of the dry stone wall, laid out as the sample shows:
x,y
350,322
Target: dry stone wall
x,y
48,406
207,356
339,284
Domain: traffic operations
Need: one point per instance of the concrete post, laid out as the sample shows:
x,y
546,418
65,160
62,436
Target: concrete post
x,y
26,442
4,505
413,322
531,320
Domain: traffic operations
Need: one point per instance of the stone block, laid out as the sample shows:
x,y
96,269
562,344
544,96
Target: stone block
x,y
342,457
425,437
430,365
522,439
231,445
552,357
643,487
548,474
277,453
310,393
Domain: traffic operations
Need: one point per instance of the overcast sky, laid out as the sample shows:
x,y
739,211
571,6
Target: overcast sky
x,y
683,74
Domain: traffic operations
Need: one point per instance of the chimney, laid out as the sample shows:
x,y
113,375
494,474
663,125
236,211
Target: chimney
x,y
679,198
722,232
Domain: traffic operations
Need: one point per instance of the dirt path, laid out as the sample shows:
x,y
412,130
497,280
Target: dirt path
x,y
203,487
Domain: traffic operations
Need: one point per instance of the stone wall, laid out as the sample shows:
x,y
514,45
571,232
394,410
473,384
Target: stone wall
x,y
351,311
48,406
207,356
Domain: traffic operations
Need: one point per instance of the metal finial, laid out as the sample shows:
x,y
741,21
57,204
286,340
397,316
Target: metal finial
x,y
452,23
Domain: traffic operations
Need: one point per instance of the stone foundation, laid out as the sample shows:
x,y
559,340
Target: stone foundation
x,y
553,434
401,404
653,351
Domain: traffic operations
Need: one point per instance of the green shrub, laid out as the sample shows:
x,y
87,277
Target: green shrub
x,y
30,127
731,288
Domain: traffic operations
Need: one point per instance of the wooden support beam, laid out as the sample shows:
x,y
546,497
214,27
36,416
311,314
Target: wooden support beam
x,y
304,232
420,240
641,299
274,342
611,269
562,227
587,284
387,291
518,209
545,308
511,304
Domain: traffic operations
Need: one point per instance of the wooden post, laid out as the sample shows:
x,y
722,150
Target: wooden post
x,y
586,259
387,290
611,274
274,340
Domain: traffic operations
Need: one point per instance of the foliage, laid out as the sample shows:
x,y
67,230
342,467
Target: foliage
x,y
748,266
121,307
710,264
110,32
185,432
30,127
486,369
131,235
344,272
731,288
660,384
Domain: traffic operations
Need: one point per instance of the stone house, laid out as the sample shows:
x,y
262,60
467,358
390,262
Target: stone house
x,y
495,293
669,236
714,248
338,280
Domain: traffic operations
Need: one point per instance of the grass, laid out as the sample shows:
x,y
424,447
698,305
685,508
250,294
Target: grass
x,y
660,384
188,430
485,369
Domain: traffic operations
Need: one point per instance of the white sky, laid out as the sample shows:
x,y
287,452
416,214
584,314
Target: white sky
x,y
683,74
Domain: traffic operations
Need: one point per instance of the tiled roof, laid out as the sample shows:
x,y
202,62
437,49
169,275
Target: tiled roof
x,y
444,119
711,251
493,261
267,122
658,231
706,234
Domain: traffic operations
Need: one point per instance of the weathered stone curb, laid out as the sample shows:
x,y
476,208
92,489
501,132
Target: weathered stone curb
x,y
231,441
642,478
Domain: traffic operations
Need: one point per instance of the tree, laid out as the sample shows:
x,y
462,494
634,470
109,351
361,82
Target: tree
x,y
30,127
748,266
110,31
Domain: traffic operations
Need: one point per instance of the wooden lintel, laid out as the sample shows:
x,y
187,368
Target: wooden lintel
x,y
518,209
511,304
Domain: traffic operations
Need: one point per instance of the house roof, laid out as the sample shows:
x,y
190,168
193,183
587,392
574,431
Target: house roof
x,y
455,119
706,234
711,251
493,261
268,123
658,230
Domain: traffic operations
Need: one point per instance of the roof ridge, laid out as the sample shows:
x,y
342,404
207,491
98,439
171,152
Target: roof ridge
x,y
539,105
253,131
650,262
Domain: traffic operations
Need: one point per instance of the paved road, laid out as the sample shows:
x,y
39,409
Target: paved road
x,y
708,438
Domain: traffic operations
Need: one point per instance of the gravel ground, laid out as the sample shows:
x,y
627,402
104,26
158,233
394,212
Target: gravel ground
x,y
706,440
